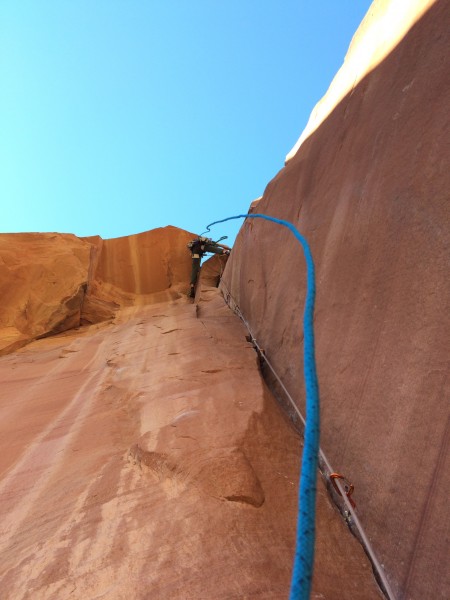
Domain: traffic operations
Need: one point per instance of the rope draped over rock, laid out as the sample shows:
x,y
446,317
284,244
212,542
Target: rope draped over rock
x,y
304,551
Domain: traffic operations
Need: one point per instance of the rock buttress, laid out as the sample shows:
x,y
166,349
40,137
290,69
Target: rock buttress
x,y
369,190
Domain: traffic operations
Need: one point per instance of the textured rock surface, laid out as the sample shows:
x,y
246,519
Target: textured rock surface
x,y
42,281
142,456
145,458
384,26
52,282
138,269
369,188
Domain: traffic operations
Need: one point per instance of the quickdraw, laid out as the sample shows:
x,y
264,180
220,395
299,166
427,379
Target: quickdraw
x,y
348,487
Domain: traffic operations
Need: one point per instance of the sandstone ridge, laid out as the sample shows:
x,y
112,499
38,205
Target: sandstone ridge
x,y
145,458
52,282
368,186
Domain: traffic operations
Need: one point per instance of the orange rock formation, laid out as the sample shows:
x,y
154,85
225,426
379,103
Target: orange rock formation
x,y
43,278
144,457
52,282
142,454
368,186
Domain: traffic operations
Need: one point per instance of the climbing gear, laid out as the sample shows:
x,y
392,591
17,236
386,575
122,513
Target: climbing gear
x,y
350,515
199,246
304,552
348,487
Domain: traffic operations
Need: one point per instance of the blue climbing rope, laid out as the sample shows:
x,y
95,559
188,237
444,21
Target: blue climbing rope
x,y
304,550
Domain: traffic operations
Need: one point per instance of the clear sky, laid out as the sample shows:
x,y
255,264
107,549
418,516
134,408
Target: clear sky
x,y
118,116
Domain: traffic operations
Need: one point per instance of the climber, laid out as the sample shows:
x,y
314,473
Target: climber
x,y
198,248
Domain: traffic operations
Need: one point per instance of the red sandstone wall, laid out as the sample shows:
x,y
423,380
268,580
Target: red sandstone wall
x,y
149,267
51,282
42,280
148,262
369,188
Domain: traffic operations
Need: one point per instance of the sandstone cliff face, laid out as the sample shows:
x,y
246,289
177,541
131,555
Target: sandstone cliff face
x,y
139,269
141,454
50,283
369,188
145,458
43,278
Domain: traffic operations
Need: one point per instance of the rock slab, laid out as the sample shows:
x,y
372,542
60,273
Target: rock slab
x,y
368,186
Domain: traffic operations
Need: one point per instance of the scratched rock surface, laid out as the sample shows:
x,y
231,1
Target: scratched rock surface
x,y
368,185
145,458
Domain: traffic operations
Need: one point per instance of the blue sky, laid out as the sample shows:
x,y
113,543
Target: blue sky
x,y
118,116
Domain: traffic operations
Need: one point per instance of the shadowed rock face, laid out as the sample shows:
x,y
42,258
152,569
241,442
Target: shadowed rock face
x,y
369,189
